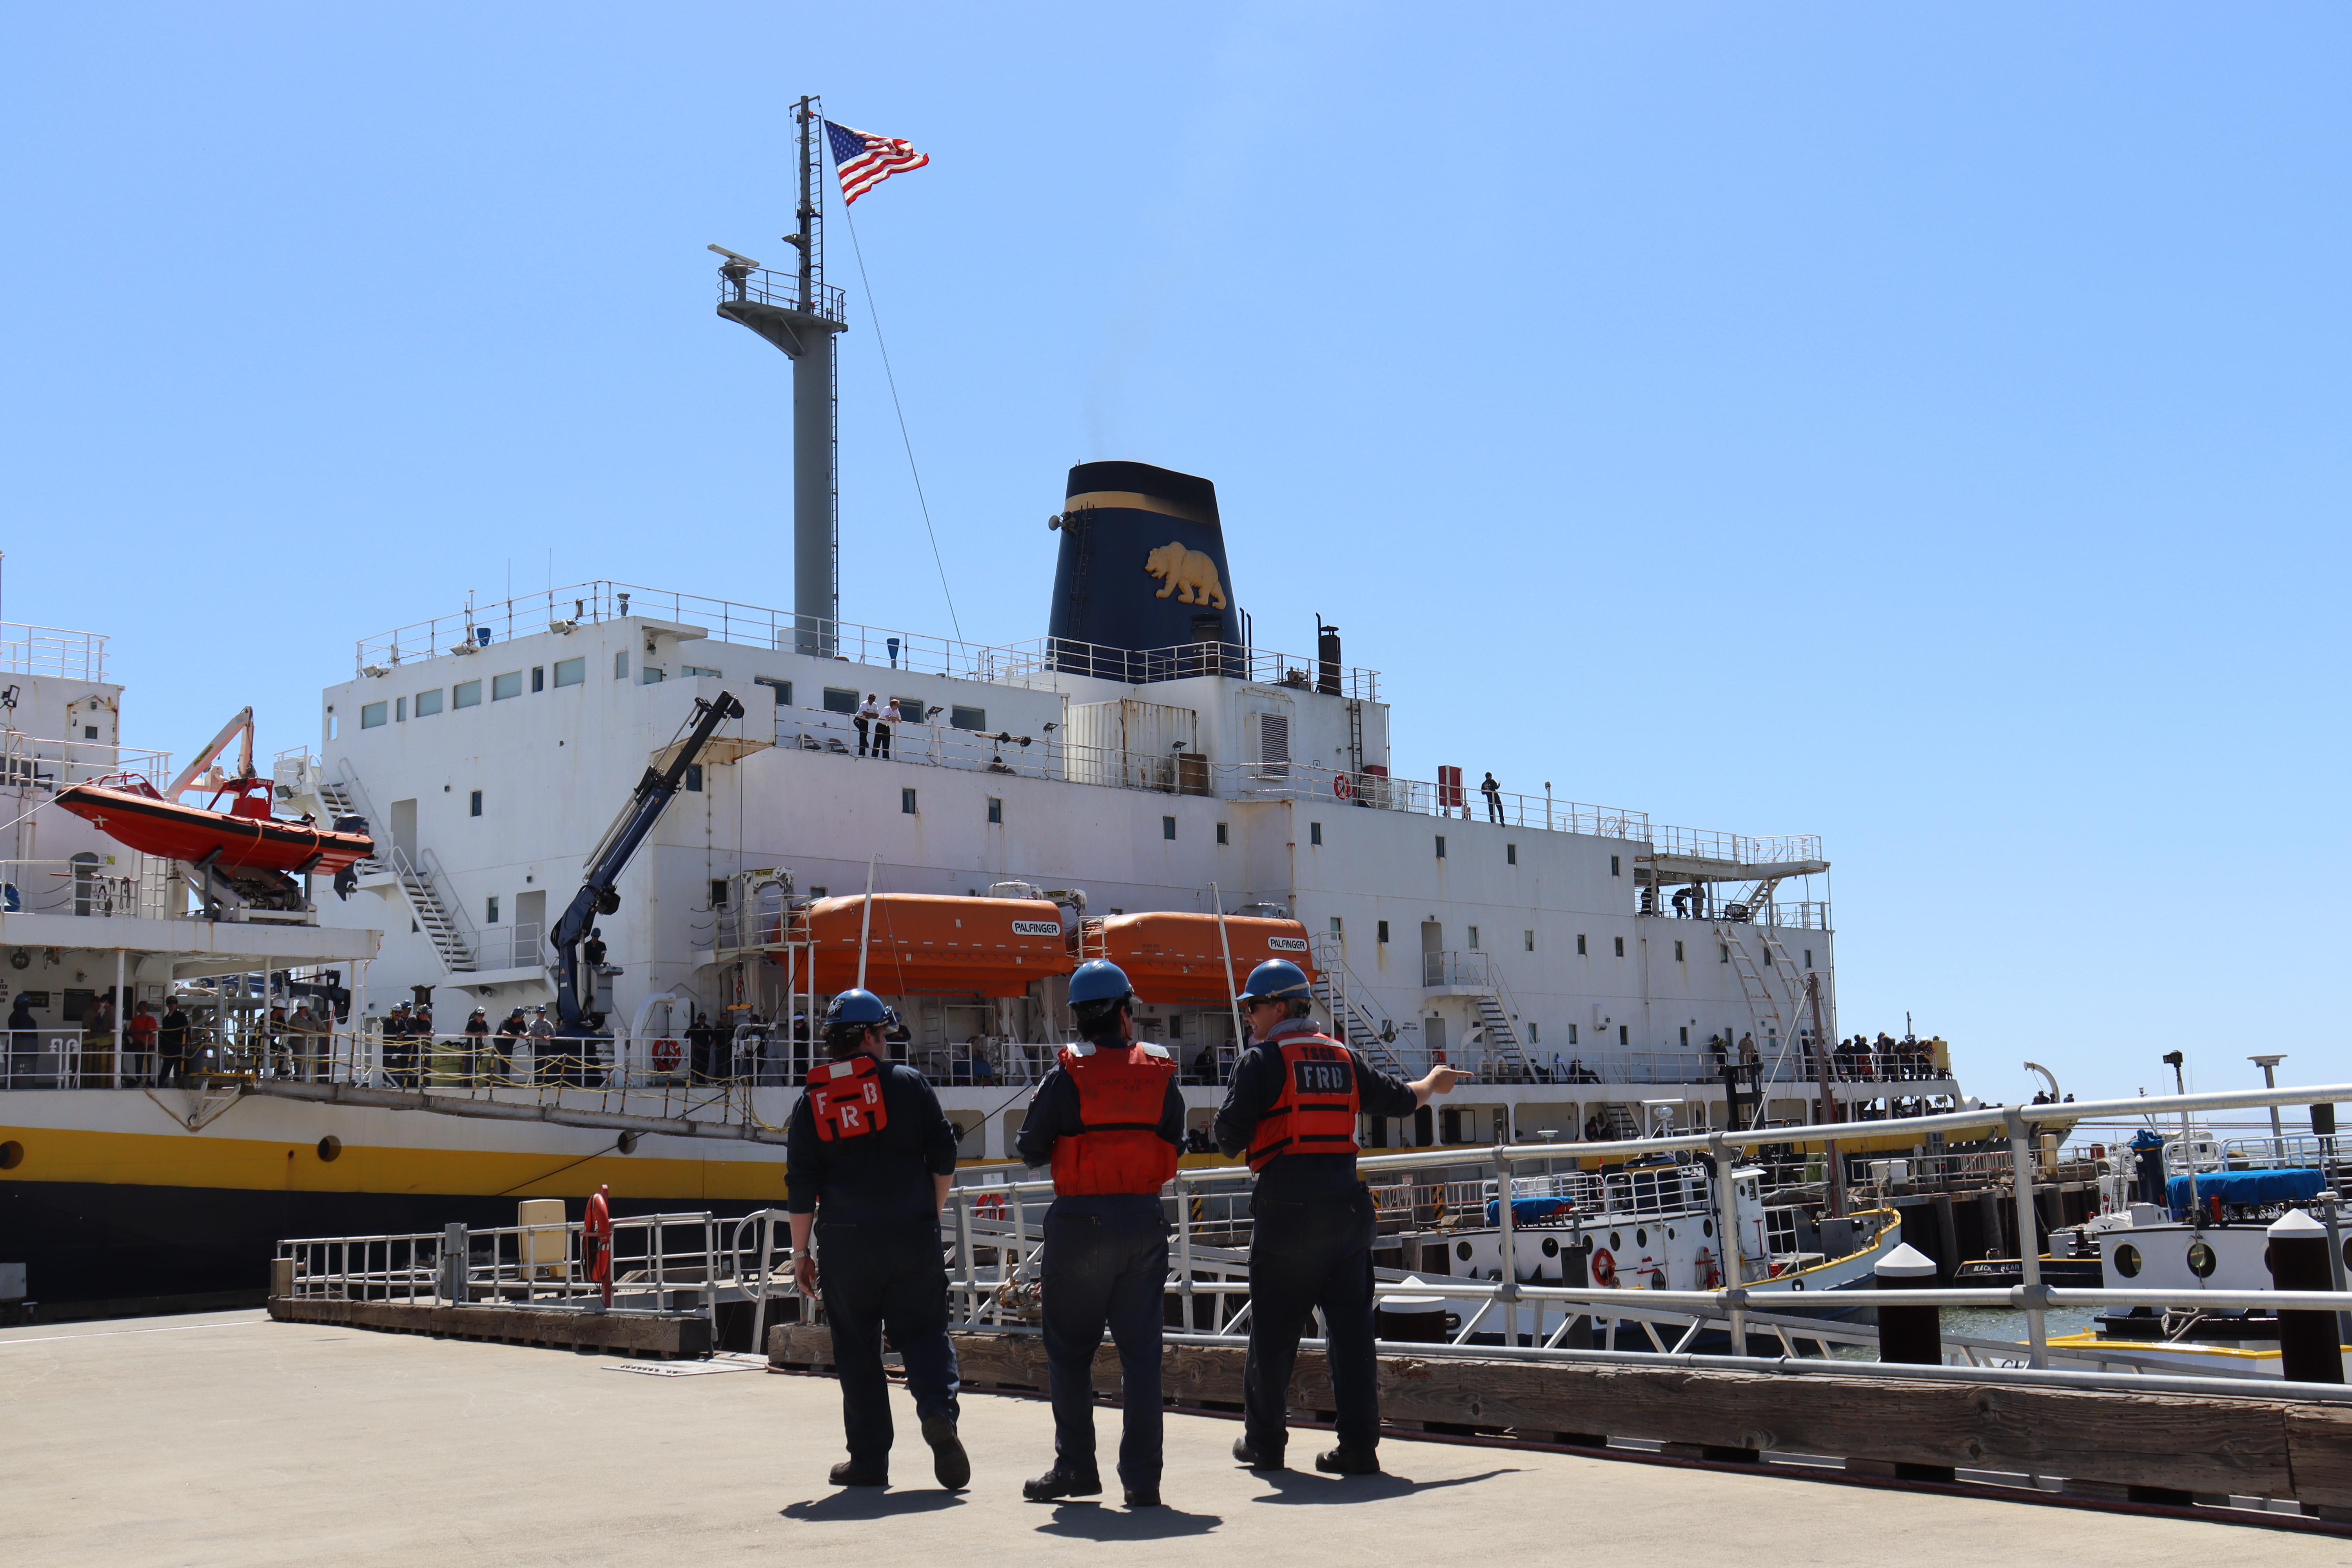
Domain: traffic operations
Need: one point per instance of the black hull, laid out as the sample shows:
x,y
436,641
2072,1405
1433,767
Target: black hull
x,y
88,1242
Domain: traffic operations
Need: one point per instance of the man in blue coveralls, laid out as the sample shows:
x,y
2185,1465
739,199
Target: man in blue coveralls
x,y
1110,1120
1296,1096
871,1156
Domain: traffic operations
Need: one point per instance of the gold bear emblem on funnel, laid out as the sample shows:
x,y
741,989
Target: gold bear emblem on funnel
x,y
1187,574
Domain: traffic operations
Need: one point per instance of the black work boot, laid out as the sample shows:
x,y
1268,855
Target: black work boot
x,y
1347,1462
1143,1497
1257,1460
1058,1482
950,1463
850,1473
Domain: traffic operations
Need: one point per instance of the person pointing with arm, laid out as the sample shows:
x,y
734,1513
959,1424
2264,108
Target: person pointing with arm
x,y
1296,1095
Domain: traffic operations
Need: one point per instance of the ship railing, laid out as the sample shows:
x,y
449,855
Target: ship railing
x,y
782,291
1044,657
52,650
38,763
128,885
993,1225
1787,914
2280,1152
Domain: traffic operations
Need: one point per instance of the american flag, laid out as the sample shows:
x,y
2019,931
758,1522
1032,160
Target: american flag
x,y
864,162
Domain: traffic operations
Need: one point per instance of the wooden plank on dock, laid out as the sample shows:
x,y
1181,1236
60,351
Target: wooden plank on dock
x,y
2183,1442
677,1336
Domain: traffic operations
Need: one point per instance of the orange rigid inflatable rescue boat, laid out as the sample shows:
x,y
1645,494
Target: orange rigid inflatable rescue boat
x,y
933,945
1176,959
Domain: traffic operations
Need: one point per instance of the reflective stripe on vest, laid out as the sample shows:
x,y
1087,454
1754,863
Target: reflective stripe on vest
x,y
1121,1094
1316,1112
845,1098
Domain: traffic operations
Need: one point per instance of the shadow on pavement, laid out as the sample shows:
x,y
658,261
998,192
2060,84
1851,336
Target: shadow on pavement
x,y
1300,1487
1091,1522
853,1503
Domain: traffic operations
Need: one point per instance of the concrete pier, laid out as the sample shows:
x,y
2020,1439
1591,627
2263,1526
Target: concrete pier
x,y
229,1439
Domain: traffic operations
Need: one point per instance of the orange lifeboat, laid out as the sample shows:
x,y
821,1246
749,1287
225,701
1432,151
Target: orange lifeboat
x,y
933,945
1172,958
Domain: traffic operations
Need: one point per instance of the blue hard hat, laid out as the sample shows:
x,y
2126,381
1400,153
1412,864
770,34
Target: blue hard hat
x,y
1276,980
856,1007
1099,980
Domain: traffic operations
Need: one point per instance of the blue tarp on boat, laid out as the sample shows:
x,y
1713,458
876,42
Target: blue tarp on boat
x,y
2249,1188
1532,1211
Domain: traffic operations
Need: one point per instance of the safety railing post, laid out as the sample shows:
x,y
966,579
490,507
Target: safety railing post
x,y
1726,1239
964,1258
1184,1250
1510,1258
2029,1240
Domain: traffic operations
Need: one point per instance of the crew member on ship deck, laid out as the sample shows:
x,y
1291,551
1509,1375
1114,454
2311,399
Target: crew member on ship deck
x,y
1110,1120
870,1158
1296,1096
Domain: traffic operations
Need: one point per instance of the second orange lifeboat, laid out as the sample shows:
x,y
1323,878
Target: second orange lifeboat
x,y
1175,959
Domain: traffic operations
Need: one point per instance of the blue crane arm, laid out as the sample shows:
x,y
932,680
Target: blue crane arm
x,y
596,896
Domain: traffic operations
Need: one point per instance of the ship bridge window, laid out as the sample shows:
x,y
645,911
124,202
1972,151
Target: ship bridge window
x,y
781,690
465,694
373,715
571,671
505,686
651,675
910,709
690,670
963,717
840,699
429,703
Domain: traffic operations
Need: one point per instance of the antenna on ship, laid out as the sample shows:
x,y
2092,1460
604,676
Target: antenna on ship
x,y
800,313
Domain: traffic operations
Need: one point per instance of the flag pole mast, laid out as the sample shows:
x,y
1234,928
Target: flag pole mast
x,y
809,216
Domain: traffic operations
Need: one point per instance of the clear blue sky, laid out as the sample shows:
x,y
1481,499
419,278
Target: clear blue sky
x,y
1924,427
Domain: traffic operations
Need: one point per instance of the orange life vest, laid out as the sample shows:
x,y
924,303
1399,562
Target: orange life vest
x,y
1120,1096
845,1098
1316,1112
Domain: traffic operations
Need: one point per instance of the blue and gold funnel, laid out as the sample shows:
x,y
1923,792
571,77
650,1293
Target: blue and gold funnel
x,y
1141,591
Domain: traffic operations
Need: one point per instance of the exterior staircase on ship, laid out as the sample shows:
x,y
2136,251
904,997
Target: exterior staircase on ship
x,y
433,917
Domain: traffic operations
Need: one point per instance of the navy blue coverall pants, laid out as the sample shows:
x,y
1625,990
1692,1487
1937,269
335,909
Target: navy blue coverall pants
x,y
877,1278
1106,1266
1316,1252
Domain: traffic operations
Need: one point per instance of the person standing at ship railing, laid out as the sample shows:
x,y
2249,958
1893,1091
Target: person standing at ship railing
x,y
890,720
1110,1120
1494,794
1296,1096
866,714
868,1159
477,1050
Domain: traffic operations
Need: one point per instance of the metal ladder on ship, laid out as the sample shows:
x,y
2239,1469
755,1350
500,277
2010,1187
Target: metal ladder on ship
x,y
344,797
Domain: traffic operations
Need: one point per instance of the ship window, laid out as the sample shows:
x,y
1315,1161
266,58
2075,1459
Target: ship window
x,y
996,810
1220,833
1809,957
2127,1261
1382,934
693,777
1474,938
910,709
1167,827
505,686
373,715
718,892
907,803
429,703
474,804
1625,1036
1535,1033
1528,940
2201,1260
539,678
490,911
1510,854
651,675
1723,953
90,732
1621,946
840,699
1336,929
1571,1034
400,709
964,717
465,694
571,671
1441,846
1579,944
690,670
1614,868
1684,1030
781,690
1679,958
621,664
1313,833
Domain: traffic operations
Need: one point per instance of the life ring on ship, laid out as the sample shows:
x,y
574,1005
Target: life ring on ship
x,y
666,1055
988,1205
1710,1276
1604,1269
1343,786
596,1239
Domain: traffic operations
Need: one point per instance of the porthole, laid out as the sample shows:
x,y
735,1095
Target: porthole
x,y
626,1143
1670,1233
1461,1250
2127,1261
1551,1247
330,1147
1616,1242
2201,1261
11,1154
1706,1227
1641,1237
